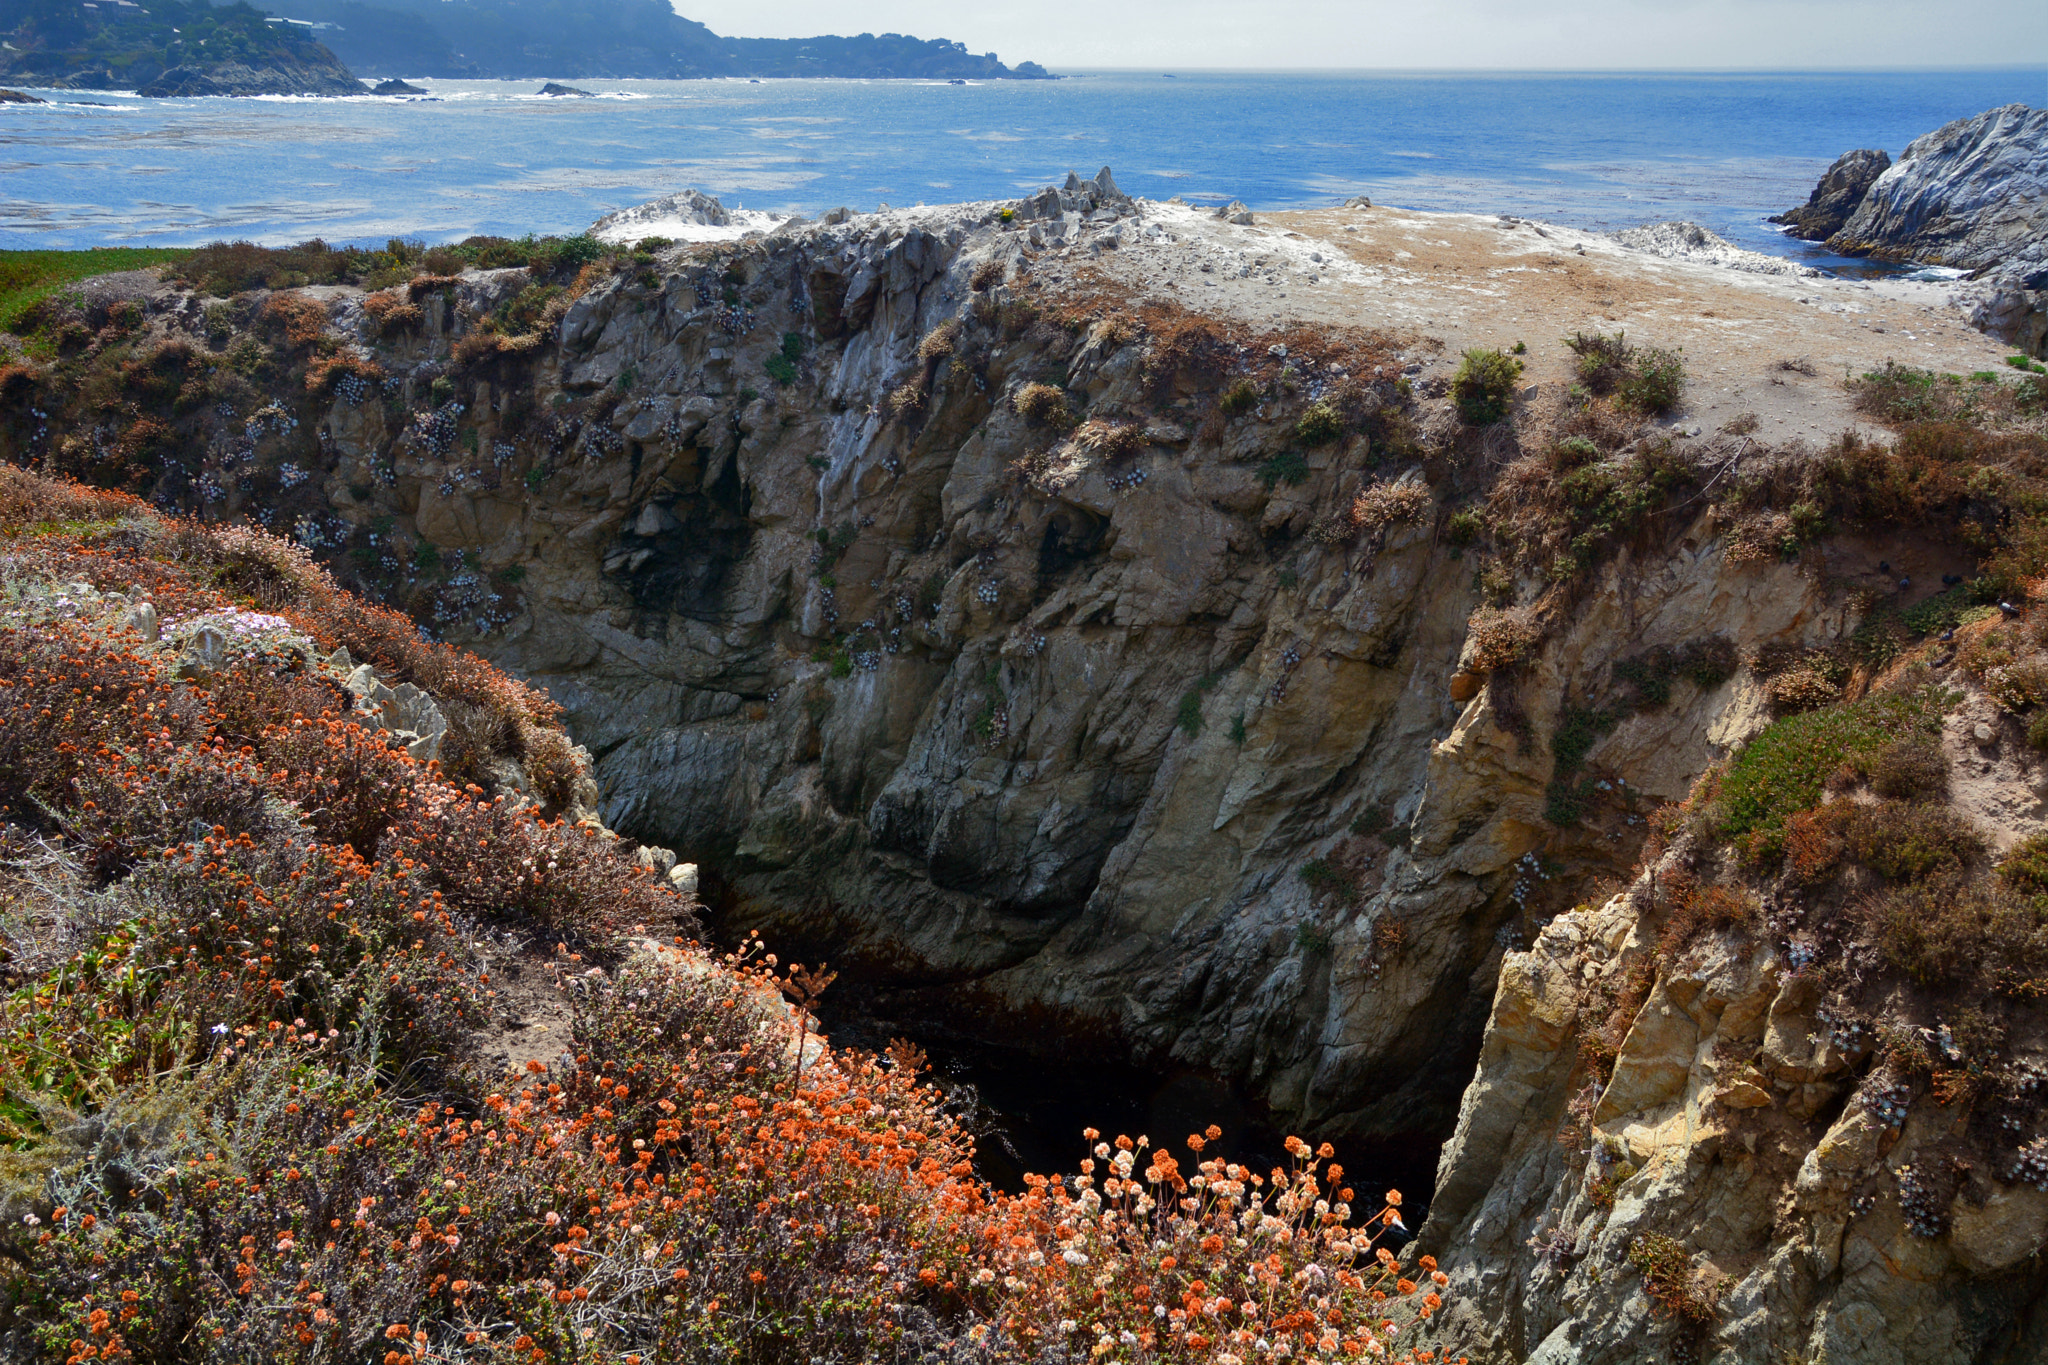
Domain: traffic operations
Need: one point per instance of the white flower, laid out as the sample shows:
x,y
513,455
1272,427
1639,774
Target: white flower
x,y
1073,1257
1068,1324
30,1219
220,1028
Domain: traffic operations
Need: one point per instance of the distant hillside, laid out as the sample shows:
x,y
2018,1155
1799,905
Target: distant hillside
x,y
610,38
164,47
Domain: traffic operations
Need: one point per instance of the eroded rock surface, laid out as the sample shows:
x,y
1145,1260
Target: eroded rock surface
x,y
1840,191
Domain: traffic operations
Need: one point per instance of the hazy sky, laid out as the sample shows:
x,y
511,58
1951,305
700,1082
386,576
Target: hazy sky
x,y
1433,33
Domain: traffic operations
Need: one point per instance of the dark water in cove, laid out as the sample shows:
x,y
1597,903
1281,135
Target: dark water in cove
x,y
1596,150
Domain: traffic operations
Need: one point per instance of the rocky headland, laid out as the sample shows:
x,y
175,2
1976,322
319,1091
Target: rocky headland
x,y
1115,628
176,48
1972,195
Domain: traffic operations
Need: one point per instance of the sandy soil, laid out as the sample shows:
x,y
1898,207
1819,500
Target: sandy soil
x,y
1461,280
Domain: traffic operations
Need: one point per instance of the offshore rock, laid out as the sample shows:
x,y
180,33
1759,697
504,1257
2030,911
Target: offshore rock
x,y
1837,195
1972,194
276,77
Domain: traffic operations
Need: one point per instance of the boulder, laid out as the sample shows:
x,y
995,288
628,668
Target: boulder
x,y
684,207
396,87
1840,190
17,97
558,90
2015,309
141,618
409,717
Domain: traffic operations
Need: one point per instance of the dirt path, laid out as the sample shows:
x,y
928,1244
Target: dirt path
x,y
1468,280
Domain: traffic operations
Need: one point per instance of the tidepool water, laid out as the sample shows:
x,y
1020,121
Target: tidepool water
x,y
1599,150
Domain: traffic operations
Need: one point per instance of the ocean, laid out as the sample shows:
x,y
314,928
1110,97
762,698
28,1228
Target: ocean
x,y
1598,150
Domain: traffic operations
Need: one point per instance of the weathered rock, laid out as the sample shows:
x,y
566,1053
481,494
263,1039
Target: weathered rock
x,y
410,717
1840,190
555,88
2014,308
311,77
396,87
1540,1195
141,618
19,97
1971,194
1680,241
684,206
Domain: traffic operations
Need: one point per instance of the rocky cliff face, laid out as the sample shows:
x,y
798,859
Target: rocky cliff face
x,y
1840,191
1734,1124
1092,703
1091,673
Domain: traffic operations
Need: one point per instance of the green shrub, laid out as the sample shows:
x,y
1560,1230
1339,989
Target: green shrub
x,y
780,368
1324,877
1572,452
1484,386
1320,424
1463,527
1655,382
1313,939
1237,728
1287,467
1240,397
1902,842
2025,866
1910,769
1602,360
1785,769
1189,716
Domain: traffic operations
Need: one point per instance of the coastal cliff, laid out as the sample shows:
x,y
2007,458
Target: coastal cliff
x,y
1093,654
177,48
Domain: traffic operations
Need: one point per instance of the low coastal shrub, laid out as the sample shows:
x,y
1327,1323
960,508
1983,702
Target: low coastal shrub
x,y
1287,467
256,955
1320,424
1502,638
1043,405
1785,769
1484,386
1645,379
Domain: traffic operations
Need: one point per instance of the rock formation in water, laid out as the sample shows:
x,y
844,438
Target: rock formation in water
x,y
1972,194
1085,671
1840,190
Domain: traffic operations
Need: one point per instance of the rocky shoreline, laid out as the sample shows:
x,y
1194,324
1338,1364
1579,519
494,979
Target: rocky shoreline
x,y
1973,195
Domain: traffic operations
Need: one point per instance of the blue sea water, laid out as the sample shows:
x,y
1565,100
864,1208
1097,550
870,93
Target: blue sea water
x,y
1600,150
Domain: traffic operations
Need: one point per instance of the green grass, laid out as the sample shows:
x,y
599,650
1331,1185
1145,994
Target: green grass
x,y
1784,770
28,277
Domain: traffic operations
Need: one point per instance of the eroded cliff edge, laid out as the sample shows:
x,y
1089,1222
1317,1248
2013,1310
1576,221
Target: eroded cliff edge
x,y
1093,659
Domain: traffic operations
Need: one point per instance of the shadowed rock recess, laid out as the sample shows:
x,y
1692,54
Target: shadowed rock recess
x,y
1094,665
